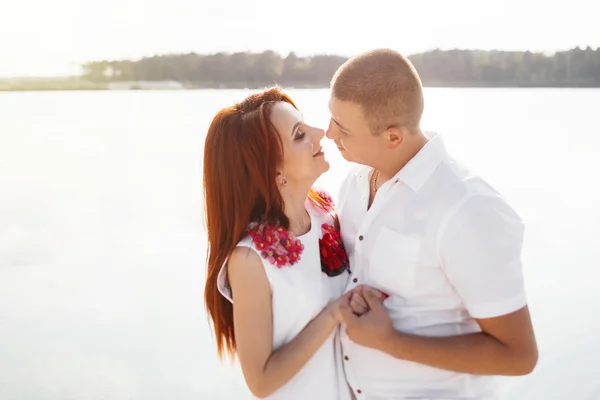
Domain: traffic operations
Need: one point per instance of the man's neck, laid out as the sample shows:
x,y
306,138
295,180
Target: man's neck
x,y
391,167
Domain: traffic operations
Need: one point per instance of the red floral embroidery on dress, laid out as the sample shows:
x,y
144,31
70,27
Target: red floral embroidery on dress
x,y
282,248
334,259
276,244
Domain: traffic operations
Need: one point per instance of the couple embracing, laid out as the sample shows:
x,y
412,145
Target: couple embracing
x,y
410,286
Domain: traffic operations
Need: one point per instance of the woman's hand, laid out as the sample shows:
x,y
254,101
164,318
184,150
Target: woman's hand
x,y
353,300
358,304
335,309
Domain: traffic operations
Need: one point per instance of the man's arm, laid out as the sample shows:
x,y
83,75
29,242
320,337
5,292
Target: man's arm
x,y
506,346
480,249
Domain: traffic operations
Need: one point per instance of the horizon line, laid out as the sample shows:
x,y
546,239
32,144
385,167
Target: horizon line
x,y
283,54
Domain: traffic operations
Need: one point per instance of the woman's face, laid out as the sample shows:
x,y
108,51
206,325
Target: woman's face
x,y
303,157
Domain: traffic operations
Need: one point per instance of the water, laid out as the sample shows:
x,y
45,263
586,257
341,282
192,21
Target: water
x,y
102,242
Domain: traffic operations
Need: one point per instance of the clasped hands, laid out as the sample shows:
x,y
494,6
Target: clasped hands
x,y
367,321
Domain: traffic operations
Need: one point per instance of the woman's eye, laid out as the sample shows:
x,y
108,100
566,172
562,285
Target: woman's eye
x,y
299,135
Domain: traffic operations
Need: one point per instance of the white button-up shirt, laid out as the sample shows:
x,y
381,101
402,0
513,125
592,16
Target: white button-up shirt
x,y
446,247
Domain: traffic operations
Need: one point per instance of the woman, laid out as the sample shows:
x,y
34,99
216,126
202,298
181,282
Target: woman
x,y
276,266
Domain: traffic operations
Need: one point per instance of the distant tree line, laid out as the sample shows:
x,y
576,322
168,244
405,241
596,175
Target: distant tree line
x,y
573,68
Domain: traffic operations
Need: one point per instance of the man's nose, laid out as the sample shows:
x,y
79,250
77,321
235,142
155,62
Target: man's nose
x,y
330,133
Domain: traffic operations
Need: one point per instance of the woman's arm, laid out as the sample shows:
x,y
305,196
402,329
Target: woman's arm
x,y
265,370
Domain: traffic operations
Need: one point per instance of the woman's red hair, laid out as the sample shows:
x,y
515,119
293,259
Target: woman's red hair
x,y
241,154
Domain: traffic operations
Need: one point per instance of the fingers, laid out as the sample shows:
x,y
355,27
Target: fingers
x,y
373,298
362,289
358,304
358,290
378,293
358,301
346,297
347,314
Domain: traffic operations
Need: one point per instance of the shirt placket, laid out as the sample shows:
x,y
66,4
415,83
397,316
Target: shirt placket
x,y
351,377
358,273
381,199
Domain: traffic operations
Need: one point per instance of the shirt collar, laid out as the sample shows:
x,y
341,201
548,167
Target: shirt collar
x,y
419,168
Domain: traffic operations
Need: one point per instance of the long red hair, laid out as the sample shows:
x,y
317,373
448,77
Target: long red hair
x,y
241,154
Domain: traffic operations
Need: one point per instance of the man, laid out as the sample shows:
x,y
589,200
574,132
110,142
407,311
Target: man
x,y
440,241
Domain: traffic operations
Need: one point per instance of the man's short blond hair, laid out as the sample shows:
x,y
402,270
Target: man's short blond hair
x,y
386,86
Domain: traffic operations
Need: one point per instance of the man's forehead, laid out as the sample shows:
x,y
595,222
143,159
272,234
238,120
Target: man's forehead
x,y
336,107
343,110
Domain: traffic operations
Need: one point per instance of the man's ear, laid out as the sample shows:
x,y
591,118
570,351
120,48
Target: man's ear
x,y
395,136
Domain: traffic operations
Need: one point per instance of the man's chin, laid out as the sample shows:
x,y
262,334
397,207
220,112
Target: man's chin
x,y
346,155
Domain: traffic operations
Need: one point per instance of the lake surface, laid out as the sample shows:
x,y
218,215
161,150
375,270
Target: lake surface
x,y
103,248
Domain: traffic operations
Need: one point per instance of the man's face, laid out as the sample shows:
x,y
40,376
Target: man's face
x,y
349,129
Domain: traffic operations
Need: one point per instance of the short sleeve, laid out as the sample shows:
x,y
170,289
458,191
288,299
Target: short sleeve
x,y
480,249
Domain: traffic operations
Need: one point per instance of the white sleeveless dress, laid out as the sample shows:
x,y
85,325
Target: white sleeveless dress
x,y
299,294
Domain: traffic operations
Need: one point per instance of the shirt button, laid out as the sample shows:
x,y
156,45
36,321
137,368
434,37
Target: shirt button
x,y
355,280
358,391
346,358
397,180
360,237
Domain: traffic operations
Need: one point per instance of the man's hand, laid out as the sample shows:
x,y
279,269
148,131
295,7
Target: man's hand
x,y
358,303
373,328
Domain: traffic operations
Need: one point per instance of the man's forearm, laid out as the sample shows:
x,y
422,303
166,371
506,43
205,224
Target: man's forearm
x,y
475,353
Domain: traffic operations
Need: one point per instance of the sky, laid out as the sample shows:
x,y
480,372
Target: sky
x,y
49,38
